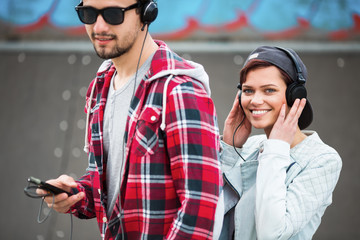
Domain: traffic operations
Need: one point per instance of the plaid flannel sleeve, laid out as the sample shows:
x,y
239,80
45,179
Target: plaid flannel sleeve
x,y
193,144
84,209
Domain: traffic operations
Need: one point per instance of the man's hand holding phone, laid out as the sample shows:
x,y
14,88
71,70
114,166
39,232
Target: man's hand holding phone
x,y
63,200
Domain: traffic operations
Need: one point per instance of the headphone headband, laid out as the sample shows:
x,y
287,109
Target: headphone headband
x,y
299,72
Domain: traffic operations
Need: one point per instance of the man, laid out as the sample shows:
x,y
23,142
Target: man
x,y
151,135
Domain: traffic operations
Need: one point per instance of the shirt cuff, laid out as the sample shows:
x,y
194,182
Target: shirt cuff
x,y
275,146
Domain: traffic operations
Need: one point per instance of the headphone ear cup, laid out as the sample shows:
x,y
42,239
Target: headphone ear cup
x,y
295,91
239,97
149,12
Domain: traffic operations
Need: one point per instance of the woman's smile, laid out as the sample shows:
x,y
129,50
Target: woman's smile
x,y
259,113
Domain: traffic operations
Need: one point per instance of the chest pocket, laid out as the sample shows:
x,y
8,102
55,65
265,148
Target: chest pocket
x,y
146,139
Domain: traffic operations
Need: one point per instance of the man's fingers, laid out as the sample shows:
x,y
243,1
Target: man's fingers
x,y
64,182
68,181
57,198
40,191
62,202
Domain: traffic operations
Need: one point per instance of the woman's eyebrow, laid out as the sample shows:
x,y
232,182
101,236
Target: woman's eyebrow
x,y
262,86
269,85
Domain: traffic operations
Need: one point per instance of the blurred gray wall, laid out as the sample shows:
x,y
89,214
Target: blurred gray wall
x,y
42,125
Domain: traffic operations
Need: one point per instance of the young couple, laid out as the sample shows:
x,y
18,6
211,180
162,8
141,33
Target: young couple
x,y
153,142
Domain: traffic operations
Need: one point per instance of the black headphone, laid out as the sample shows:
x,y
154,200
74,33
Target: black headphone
x,y
297,88
294,90
149,12
239,95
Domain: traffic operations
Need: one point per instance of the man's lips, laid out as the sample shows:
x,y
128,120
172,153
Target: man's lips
x,y
103,39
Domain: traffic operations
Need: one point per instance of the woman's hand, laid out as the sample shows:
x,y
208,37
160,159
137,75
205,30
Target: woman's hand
x,y
232,121
286,126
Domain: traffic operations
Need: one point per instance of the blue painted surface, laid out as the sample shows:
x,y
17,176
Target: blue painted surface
x,y
188,16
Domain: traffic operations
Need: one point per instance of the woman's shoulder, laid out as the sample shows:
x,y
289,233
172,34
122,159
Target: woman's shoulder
x,y
314,151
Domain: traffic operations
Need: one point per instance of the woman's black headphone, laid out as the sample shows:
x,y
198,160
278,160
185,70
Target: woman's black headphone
x,y
297,88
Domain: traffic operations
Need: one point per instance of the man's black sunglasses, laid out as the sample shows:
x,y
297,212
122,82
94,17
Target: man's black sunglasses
x,y
111,15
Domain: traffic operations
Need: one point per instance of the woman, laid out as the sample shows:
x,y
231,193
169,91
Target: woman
x,y
277,185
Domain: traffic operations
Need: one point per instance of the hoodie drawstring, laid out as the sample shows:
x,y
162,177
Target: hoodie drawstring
x,y
163,125
88,109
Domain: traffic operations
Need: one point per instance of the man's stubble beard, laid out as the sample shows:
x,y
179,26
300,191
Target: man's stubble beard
x,y
117,50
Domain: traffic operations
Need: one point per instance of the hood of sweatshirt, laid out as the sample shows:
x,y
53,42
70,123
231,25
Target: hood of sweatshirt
x,y
193,70
165,63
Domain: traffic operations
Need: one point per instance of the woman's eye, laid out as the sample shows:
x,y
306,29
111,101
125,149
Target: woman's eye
x,y
270,90
247,91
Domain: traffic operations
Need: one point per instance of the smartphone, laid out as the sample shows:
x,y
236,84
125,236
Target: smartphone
x,y
46,186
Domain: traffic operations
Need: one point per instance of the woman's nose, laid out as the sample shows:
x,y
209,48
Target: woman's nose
x,y
257,99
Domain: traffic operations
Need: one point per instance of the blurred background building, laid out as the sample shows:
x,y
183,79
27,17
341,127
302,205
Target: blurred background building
x,y
47,62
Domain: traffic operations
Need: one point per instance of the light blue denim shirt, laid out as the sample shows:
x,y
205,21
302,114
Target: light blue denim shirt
x,y
278,192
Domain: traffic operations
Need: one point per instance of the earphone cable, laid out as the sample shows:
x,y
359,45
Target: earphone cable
x,y
28,192
234,138
133,95
41,208
138,63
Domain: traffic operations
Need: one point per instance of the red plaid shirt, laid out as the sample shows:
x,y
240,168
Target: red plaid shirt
x,y
171,180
